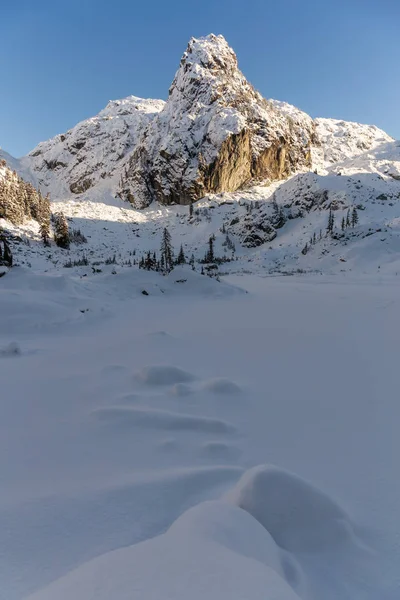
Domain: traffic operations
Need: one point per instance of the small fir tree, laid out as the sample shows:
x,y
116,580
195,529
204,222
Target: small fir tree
x,y
166,252
61,234
354,217
181,260
331,221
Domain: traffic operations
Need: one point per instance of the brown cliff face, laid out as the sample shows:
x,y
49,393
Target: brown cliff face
x,y
215,133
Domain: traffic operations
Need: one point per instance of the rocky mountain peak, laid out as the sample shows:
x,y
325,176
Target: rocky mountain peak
x,y
215,133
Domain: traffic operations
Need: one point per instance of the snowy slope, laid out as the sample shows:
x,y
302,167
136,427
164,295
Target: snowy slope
x,y
335,141
340,141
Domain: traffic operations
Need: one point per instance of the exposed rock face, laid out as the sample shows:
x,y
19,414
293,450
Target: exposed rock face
x,y
215,133
92,154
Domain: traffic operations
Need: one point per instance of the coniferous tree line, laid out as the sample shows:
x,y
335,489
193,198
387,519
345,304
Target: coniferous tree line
x,y
166,262
350,220
19,200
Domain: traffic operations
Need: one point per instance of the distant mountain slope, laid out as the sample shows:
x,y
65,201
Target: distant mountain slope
x,y
335,141
91,156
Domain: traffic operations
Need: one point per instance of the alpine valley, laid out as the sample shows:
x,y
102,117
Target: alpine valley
x,y
180,419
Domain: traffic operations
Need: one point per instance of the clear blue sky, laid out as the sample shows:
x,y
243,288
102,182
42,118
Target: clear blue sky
x,y
62,60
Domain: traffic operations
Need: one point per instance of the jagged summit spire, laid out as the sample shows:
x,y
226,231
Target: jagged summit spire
x,y
211,51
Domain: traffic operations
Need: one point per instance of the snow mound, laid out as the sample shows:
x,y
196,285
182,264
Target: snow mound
x,y
220,385
163,375
213,551
234,548
299,517
141,417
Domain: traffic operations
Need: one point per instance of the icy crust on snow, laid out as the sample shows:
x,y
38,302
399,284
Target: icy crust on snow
x,y
91,155
209,101
273,536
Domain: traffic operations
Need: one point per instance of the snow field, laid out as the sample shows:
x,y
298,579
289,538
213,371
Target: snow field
x,y
96,460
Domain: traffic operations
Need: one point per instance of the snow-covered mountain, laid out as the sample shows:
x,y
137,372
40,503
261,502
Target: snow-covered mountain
x,y
216,133
91,156
213,135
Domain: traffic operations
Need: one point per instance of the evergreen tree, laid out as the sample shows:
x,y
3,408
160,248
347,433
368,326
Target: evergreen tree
x,y
314,239
331,221
191,209
181,260
348,218
354,217
343,224
275,204
45,232
19,200
209,257
305,249
61,235
167,255
150,262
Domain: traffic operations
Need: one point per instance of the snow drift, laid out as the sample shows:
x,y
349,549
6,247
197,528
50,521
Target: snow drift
x,y
251,545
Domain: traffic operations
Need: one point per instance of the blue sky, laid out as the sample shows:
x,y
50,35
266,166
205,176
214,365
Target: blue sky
x,y
60,62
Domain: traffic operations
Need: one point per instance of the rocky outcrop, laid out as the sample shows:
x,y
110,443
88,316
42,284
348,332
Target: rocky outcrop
x,y
215,133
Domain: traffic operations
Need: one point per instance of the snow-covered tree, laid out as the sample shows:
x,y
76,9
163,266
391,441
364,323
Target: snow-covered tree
x,y
61,234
